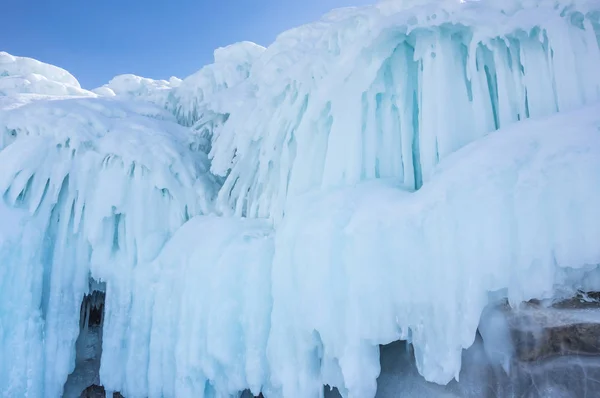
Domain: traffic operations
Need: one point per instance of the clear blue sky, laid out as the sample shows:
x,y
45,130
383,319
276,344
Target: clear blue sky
x,y
98,39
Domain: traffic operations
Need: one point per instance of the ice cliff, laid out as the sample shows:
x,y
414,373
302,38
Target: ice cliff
x,y
266,223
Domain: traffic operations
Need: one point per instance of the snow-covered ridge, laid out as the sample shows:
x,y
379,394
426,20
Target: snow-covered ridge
x,y
379,201
133,86
27,75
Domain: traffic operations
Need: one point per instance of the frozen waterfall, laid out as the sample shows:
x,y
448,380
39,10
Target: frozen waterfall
x,y
266,224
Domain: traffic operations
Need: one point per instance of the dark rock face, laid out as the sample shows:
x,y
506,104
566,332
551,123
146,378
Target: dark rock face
x,y
88,348
553,351
557,348
560,377
248,394
579,339
570,327
95,391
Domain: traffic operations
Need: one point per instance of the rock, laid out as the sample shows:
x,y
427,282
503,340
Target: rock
x,y
544,330
96,391
568,376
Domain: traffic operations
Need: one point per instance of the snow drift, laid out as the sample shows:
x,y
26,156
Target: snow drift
x,y
268,222
134,87
27,75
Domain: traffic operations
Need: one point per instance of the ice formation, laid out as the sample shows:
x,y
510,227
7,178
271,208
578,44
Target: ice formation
x,y
364,93
215,88
84,177
268,222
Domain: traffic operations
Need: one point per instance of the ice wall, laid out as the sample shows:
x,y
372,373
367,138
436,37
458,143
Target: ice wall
x,y
230,304
200,315
386,92
97,189
380,203
371,264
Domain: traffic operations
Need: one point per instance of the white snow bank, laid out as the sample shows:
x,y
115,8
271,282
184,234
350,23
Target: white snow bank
x,y
238,53
205,95
11,65
203,100
103,188
386,92
27,75
136,87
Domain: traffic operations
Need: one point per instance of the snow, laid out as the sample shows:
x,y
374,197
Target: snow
x,y
136,87
265,224
27,75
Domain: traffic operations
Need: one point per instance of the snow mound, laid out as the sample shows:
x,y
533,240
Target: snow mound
x,y
136,87
238,53
104,91
366,93
203,100
27,75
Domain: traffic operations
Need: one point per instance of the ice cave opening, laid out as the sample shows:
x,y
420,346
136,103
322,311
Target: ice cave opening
x,y
84,381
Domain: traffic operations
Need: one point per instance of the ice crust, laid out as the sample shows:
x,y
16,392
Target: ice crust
x,y
268,222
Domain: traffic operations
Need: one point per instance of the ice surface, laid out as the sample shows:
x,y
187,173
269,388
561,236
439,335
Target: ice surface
x,y
268,222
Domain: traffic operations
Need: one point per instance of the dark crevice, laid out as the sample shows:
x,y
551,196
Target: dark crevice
x,y
84,381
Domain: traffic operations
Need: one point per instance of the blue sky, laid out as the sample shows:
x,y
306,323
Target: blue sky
x,y
98,39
